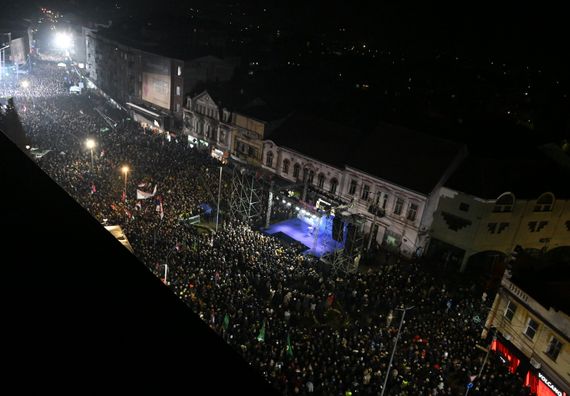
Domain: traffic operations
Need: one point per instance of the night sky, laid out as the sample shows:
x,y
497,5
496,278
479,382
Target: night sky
x,y
468,72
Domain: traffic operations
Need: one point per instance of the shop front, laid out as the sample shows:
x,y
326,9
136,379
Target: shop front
x,y
148,118
543,385
392,241
220,155
538,377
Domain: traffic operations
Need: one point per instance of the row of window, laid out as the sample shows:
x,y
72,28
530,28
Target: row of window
x,y
531,328
533,226
308,175
506,202
398,206
206,110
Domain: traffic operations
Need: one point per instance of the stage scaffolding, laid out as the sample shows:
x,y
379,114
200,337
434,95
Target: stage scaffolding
x,y
346,259
248,195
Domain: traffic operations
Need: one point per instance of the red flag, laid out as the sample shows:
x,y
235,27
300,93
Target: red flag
x,y
93,188
124,197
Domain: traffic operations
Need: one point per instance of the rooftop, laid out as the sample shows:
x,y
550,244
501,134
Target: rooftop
x,y
548,285
525,178
315,137
408,158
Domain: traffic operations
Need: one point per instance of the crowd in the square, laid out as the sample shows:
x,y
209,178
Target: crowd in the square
x,y
306,329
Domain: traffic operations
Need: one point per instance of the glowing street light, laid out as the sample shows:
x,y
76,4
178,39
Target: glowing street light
x,y
125,170
90,144
63,40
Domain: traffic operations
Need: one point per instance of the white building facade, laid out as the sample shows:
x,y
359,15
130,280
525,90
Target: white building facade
x,y
395,215
208,125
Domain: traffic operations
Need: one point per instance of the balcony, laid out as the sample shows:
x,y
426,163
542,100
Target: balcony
x,y
376,210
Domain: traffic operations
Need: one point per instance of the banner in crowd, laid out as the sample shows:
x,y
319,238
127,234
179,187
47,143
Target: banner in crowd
x,y
145,195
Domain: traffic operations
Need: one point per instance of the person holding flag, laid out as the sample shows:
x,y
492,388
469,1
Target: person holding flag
x,y
158,202
289,348
226,323
261,335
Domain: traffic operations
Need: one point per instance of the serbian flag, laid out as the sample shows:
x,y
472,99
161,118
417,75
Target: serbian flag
x,y
93,188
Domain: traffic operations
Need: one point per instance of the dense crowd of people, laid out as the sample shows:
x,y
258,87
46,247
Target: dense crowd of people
x,y
307,330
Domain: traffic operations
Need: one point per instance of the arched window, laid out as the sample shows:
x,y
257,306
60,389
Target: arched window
x,y
321,180
544,203
311,177
286,164
334,185
305,173
269,159
504,203
296,171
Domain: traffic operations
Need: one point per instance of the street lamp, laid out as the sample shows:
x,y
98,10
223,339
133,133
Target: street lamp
x,y
404,310
125,170
26,85
63,40
90,144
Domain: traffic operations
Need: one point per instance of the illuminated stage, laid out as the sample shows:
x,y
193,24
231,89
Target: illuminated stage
x,y
302,230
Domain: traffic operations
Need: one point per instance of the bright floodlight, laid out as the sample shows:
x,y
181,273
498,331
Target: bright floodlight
x,y
63,40
90,143
125,169
25,84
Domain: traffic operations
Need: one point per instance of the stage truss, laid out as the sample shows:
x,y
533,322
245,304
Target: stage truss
x,y
247,199
346,259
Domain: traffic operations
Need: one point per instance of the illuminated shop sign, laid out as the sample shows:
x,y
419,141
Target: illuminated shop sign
x,y
548,383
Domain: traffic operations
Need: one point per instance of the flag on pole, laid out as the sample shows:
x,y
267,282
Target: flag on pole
x,y
93,188
226,322
289,349
261,335
124,197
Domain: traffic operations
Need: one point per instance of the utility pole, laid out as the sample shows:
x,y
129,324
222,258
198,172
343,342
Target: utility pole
x,y
404,310
374,205
269,205
483,365
219,194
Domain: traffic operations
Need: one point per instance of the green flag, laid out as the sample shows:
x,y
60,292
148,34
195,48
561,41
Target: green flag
x,y
289,347
261,336
226,322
